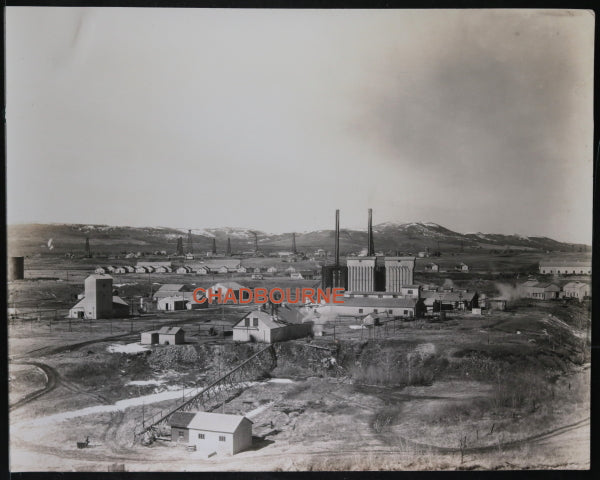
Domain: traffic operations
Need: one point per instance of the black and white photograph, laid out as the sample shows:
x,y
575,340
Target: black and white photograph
x,y
281,240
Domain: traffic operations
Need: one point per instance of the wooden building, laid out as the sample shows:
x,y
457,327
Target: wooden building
x,y
212,432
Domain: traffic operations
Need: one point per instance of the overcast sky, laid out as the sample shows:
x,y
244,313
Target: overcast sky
x,y
476,120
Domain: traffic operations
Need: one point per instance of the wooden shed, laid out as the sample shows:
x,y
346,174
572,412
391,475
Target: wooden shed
x,y
171,336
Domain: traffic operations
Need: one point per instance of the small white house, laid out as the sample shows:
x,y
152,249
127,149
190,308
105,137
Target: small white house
x,y
578,290
212,432
260,326
272,270
169,304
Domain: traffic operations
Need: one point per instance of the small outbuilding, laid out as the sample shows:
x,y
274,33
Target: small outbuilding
x,y
171,336
497,304
170,304
149,338
212,432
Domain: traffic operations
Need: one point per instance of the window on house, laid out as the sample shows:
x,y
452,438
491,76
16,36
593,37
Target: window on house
x,y
201,436
390,311
360,310
375,310
221,438
410,291
255,322
379,296
180,434
247,322
405,312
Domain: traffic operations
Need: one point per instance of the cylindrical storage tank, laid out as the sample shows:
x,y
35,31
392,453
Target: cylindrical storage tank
x,y
16,268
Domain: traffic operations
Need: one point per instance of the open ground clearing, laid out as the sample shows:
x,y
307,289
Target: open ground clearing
x,y
499,391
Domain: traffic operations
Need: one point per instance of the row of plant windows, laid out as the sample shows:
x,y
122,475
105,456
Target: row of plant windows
x,y
201,436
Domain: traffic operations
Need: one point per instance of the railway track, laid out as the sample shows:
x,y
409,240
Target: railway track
x,y
52,381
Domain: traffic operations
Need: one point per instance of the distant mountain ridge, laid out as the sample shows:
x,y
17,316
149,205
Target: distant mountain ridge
x,y
389,238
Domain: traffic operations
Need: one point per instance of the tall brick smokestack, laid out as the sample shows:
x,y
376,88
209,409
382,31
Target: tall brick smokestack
x,y
370,245
337,238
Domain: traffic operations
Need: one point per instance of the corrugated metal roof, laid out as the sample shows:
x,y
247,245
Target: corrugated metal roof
x,y
226,286
170,330
170,287
575,285
216,422
449,296
181,419
565,263
119,300
100,276
378,302
267,319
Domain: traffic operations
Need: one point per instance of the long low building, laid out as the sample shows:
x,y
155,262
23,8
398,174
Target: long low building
x,y
538,290
565,267
395,307
450,300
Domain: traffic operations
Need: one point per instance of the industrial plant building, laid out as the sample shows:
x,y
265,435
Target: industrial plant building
x,y
16,268
393,307
370,273
449,299
98,300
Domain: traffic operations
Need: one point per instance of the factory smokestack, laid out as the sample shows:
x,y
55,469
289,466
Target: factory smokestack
x,y
337,238
370,245
294,243
214,246
228,246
